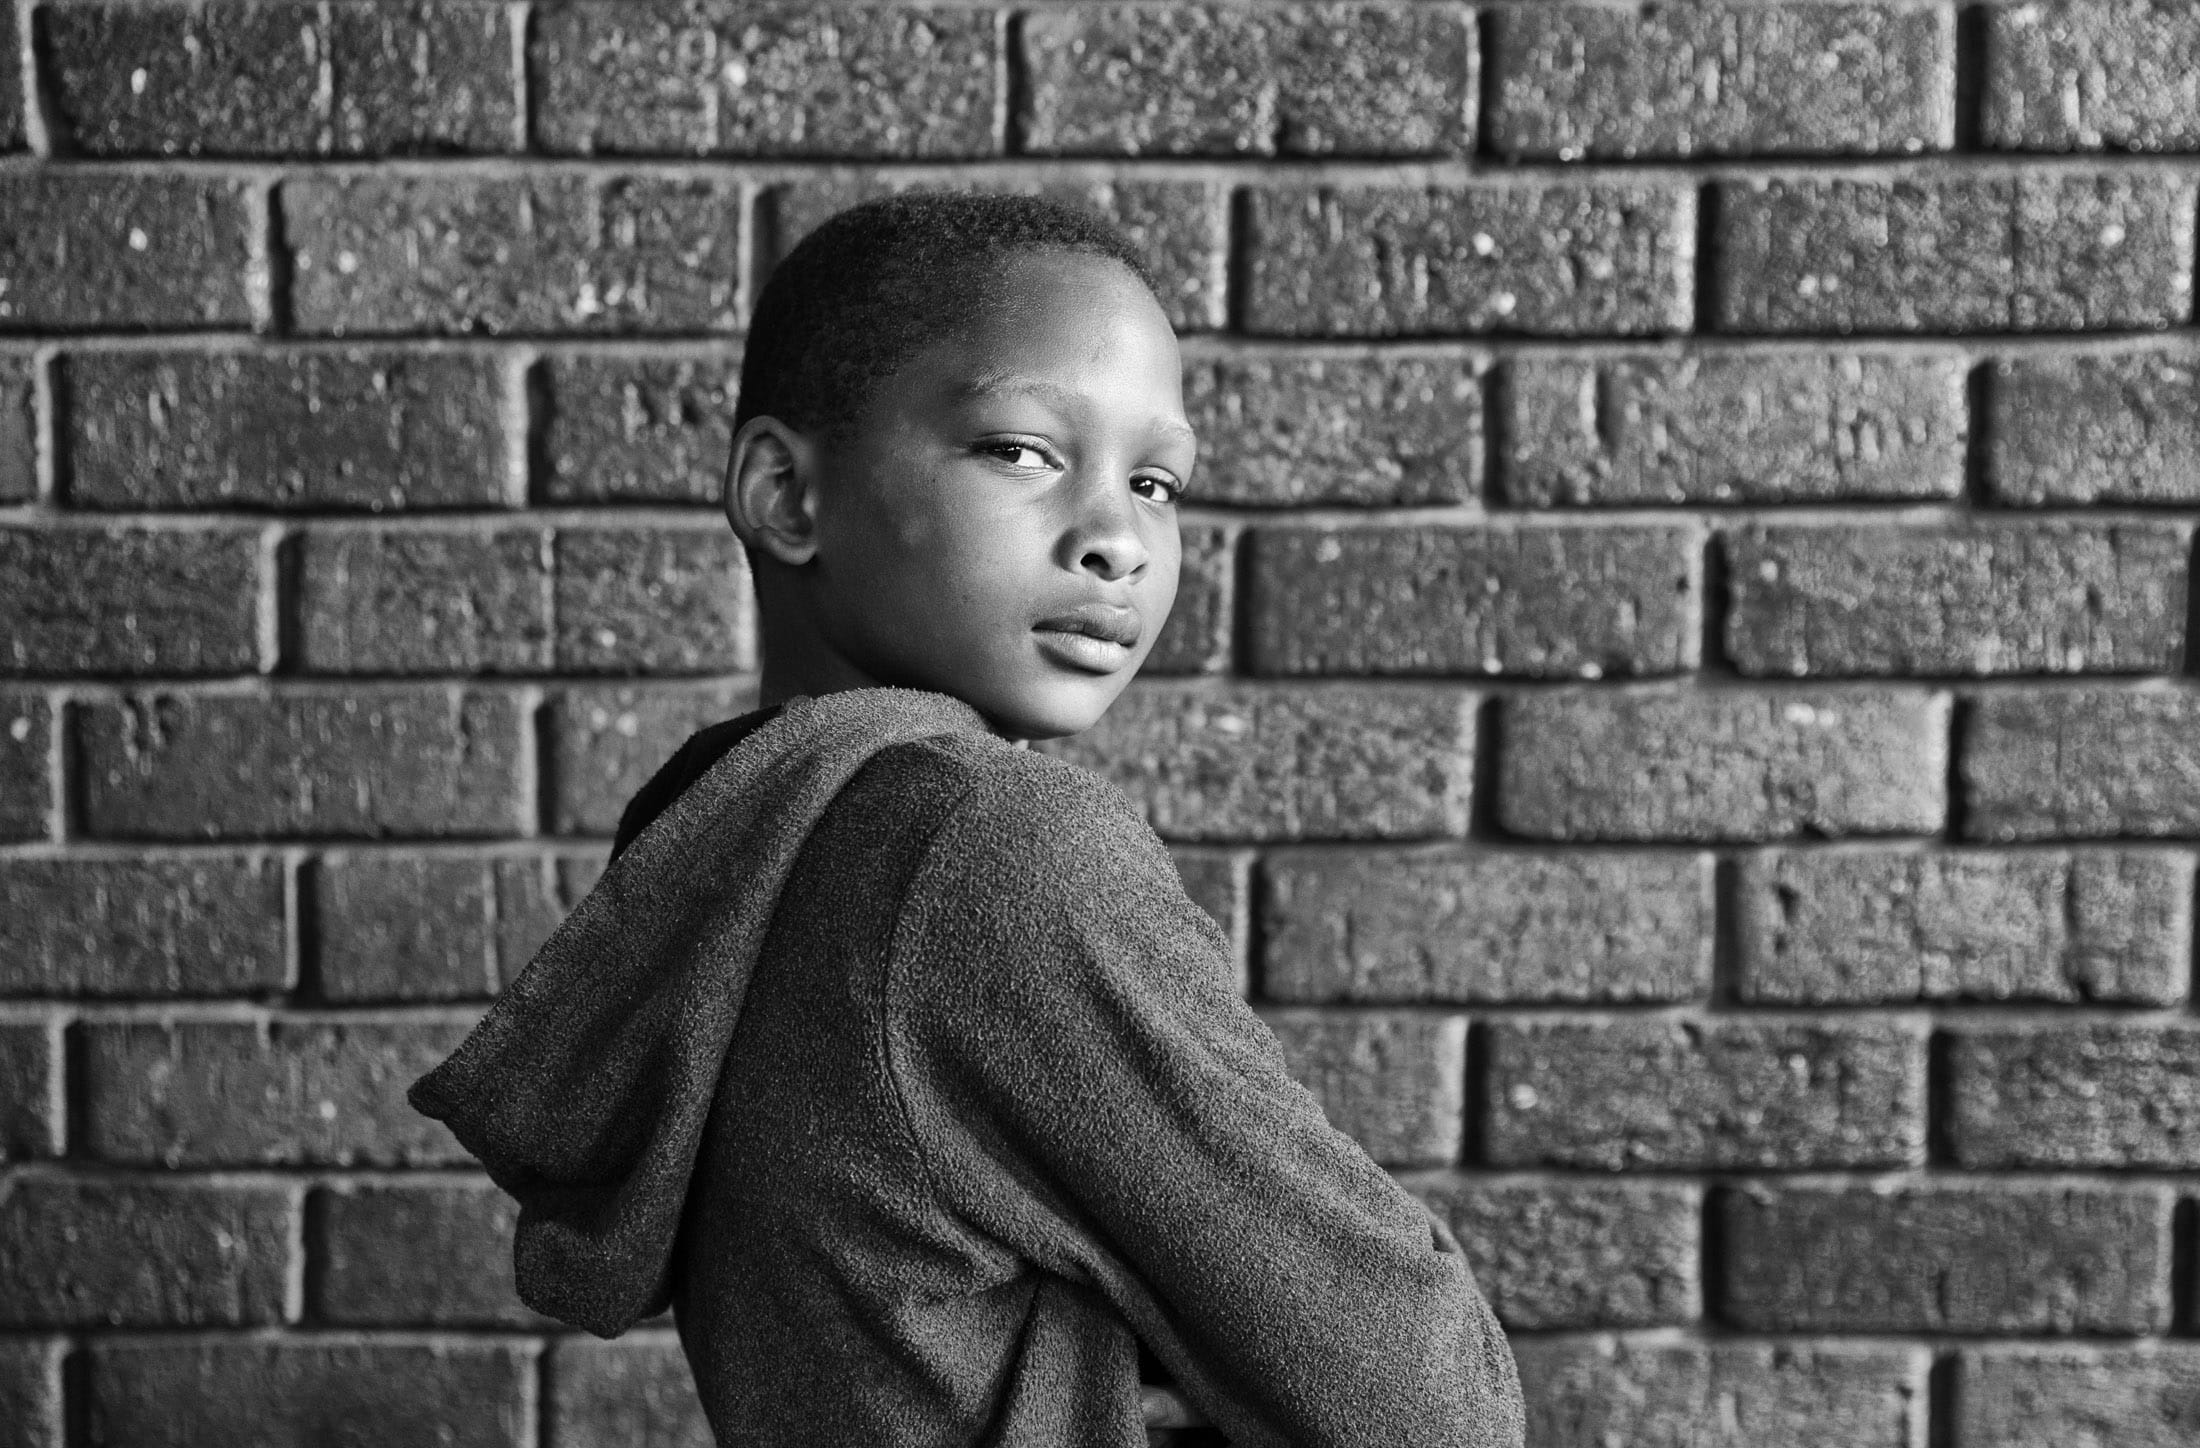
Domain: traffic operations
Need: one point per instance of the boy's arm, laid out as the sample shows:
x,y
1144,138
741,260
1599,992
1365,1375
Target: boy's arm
x,y
1090,1090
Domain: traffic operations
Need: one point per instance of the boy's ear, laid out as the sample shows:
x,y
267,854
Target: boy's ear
x,y
771,490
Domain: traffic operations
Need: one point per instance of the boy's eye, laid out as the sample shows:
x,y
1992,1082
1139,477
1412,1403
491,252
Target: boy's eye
x,y
1019,454
1159,487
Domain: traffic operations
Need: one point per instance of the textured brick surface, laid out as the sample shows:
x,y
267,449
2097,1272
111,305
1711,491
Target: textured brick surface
x,y
621,429
179,1393
2122,75
2096,429
2051,251
1973,1258
1541,600
283,429
1396,1084
1711,1094
401,926
1572,81
429,76
376,254
606,743
283,1092
30,1386
1824,927
1396,926
636,1390
1559,258
90,249
179,926
145,1253
1278,763
13,137
1733,428
26,766
1179,227
437,1251
672,76
1196,639
461,600
1597,1392
629,600
130,601
1331,79
2082,763
1576,1254
2075,1095
2053,1397
18,428
429,761
30,1088
1722,765
1314,428
2021,598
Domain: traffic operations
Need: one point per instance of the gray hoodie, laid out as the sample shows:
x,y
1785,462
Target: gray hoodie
x,y
897,1060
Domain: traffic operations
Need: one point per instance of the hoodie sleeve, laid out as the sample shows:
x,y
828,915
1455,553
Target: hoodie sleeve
x,y
1090,1091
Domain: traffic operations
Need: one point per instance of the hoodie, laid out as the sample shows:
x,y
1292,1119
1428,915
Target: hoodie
x,y
898,1062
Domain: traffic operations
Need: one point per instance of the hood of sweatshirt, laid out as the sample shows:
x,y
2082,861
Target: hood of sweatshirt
x,y
585,1089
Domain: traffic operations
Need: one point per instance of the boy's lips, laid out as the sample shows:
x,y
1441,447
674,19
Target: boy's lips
x,y
1095,637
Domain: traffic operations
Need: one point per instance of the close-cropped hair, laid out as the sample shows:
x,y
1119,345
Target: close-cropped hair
x,y
860,295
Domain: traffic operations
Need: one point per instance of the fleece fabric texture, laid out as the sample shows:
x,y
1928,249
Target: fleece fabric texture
x,y
985,1115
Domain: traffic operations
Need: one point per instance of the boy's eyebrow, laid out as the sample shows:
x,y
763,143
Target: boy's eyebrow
x,y
1013,386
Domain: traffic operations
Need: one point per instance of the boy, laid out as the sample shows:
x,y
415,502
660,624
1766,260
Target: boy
x,y
893,1056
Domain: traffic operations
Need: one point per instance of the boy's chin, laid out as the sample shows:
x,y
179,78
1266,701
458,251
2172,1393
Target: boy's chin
x,y
1052,708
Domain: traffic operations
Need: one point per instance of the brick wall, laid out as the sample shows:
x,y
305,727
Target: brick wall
x,y
1681,688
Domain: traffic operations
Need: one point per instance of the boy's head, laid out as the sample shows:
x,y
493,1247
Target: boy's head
x,y
957,455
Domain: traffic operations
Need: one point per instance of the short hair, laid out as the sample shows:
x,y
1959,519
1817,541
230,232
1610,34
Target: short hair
x,y
859,296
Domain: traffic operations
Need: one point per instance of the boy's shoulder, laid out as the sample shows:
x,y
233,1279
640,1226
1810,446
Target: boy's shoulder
x,y
999,787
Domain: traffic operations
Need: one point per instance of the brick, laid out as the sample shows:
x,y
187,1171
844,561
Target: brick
x,y
18,426
1401,927
91,250
13,137
1248,763
2081,763
634,599
1825,927
420,601
289,1092
418,1252
2095,429
1994,598
1396,1084
2093,76
1574,81
181,926
653,429
31,1122
2055,1397
130,600
2095,1095
1560,1254
1722,765
1196,639
1968,1258
1714,1094
1596,1392
2051,251
26,767
234,80
607,742
625,78
1180,228
1733,428
1298,430
431,77
259,1393
552,253
638,1390
284,428
406,927
1565,258
30,1390
121,1253
1537,599
1301,80
422,761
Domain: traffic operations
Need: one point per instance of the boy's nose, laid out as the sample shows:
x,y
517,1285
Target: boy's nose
x,y
1105,540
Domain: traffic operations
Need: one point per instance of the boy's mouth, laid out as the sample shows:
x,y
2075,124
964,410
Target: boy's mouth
x,y
1097,637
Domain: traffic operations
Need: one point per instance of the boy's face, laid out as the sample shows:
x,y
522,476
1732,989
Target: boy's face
x,y
1000,524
